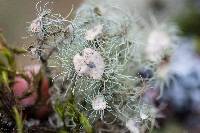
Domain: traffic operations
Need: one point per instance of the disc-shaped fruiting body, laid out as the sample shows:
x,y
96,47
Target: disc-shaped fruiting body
x,y
90,63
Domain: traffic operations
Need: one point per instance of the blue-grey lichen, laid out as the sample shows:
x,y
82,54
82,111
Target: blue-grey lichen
x,y
97,57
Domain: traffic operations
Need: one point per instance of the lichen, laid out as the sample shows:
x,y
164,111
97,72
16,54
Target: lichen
x,y
97,57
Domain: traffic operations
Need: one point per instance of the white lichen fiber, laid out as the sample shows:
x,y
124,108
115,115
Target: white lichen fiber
x,y
99,51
